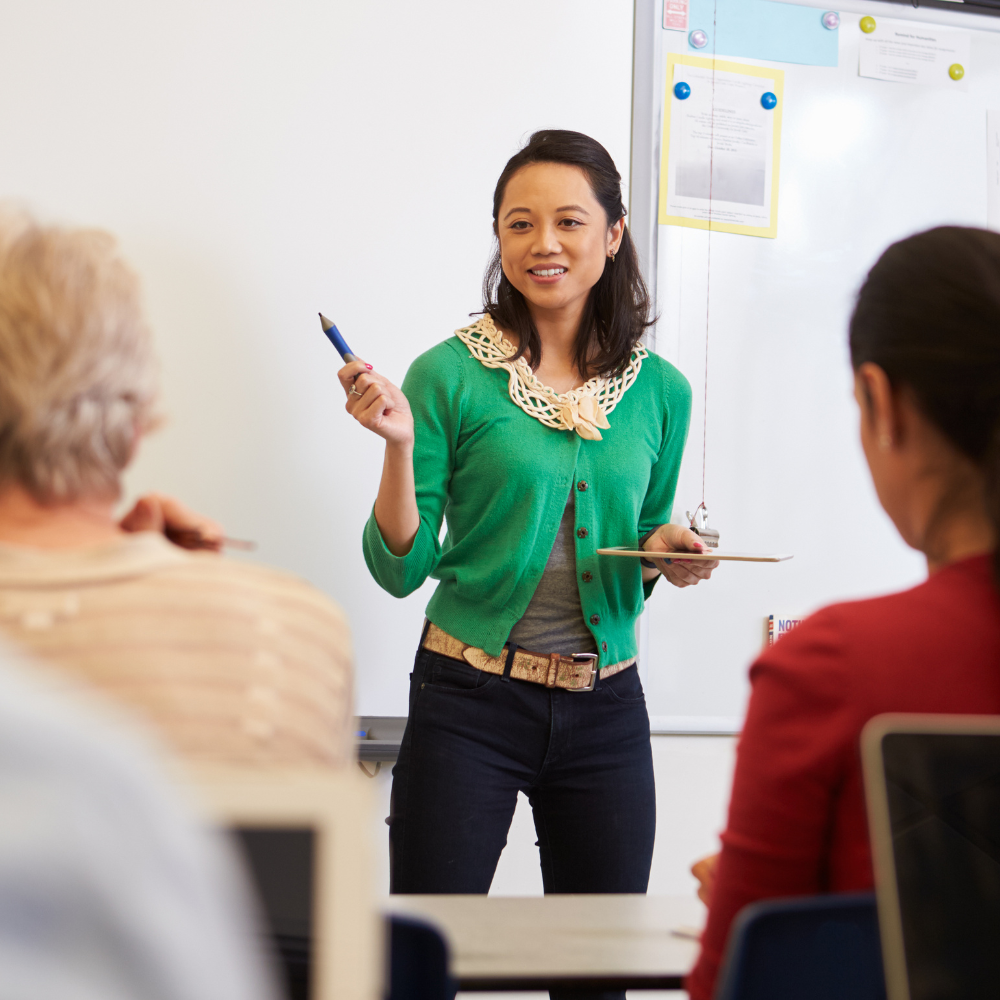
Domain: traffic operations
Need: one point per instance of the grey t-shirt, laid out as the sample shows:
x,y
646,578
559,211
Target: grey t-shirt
x,y
553,621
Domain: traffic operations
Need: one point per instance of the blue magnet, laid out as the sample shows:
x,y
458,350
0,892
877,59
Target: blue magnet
x,y
768,101
682,91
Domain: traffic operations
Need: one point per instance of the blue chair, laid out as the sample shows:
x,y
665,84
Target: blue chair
x,y
812,948
418,961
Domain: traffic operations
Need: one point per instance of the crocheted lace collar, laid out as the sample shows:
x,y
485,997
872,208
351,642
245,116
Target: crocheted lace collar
x,y
584,410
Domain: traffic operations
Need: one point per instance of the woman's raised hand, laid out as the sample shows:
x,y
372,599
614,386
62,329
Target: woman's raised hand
x,y
674,538
376,403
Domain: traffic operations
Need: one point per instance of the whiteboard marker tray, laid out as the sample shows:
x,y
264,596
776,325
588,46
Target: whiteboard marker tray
x,y
695,556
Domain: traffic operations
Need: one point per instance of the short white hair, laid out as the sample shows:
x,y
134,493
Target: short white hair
x,y
78,374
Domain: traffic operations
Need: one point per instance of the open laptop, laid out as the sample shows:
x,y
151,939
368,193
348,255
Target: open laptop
x,y
933,789
304,837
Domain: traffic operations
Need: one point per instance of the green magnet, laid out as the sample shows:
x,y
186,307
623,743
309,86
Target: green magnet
x,y
956,71
867,25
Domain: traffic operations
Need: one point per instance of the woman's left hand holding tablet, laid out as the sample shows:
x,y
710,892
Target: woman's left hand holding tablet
x,y
377,404
674,538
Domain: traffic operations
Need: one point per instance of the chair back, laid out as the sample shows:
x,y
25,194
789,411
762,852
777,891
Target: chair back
x,y
812,948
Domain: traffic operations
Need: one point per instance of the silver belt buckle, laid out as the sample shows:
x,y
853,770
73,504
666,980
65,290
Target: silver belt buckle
x,y
593,671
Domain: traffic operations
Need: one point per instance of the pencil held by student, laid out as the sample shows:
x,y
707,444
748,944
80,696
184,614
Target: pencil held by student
x,y
925,348
230,662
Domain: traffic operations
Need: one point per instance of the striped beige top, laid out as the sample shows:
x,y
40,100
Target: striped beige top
x,y
231,662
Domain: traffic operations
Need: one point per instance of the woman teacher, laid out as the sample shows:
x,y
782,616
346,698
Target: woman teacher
x,y
541,432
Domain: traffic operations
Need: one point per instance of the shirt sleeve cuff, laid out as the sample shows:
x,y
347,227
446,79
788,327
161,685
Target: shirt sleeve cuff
x,y
399,575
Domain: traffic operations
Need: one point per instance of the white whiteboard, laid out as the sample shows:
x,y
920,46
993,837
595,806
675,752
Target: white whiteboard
x,y
262,161
863,163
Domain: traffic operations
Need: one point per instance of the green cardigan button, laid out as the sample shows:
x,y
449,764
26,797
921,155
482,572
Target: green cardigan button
x,y
604,647
588,576
581,532
581,486
595,619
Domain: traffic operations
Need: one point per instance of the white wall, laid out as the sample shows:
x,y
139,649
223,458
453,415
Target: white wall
x,y
263,161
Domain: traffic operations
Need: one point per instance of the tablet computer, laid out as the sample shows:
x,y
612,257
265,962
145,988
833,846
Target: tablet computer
x,y
304,837
932,784
707,556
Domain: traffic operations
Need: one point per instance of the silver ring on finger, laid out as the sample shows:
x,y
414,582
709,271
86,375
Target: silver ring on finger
x,y
354,391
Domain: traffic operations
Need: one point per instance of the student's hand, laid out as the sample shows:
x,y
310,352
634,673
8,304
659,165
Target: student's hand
x,y
704,871
674,538
377,404
163,514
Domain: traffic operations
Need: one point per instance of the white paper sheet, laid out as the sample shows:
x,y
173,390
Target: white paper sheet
x,y
993,169
909,52
721,148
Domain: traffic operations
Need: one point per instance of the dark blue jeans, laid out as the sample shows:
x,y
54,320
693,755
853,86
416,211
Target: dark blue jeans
x,y
474,740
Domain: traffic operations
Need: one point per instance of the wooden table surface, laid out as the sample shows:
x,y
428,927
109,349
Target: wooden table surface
x,y
541,942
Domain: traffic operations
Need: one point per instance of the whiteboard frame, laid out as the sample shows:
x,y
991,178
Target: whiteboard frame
x,y
648,67
644,183
952,13
644,210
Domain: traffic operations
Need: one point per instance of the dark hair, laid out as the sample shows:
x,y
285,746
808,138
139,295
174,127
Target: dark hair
x,y
617,311
928,314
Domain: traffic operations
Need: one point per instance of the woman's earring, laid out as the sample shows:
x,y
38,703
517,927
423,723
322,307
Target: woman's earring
x,y
612,256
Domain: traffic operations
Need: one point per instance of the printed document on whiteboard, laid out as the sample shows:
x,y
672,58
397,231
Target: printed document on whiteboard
x,y
721,146
908,52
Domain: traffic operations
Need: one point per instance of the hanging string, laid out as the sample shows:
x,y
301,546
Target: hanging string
x,y
708,268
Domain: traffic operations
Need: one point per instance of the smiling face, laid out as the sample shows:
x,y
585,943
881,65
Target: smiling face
x,y
554,236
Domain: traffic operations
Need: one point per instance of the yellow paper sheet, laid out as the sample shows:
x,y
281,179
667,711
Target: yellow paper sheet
x,y
721,147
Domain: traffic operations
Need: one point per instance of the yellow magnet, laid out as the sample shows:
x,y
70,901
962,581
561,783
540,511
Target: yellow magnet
x,y
868,25
956,71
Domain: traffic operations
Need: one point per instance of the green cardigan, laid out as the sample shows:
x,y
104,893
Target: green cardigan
x,y
501,478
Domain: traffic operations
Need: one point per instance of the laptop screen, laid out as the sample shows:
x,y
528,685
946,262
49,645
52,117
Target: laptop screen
x,y
281,863
944,809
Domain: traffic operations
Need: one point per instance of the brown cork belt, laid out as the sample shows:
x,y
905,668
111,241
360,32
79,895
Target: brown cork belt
x,y
573,673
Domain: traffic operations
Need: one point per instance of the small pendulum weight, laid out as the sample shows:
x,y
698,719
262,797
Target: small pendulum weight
x,y
699,525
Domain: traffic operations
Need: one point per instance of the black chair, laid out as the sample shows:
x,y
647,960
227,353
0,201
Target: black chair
x,y
418,961
812,948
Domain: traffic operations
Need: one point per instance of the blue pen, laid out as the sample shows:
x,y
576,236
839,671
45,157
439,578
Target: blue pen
x,y
330,329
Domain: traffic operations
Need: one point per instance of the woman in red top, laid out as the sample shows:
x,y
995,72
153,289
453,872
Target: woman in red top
x,y
925,346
